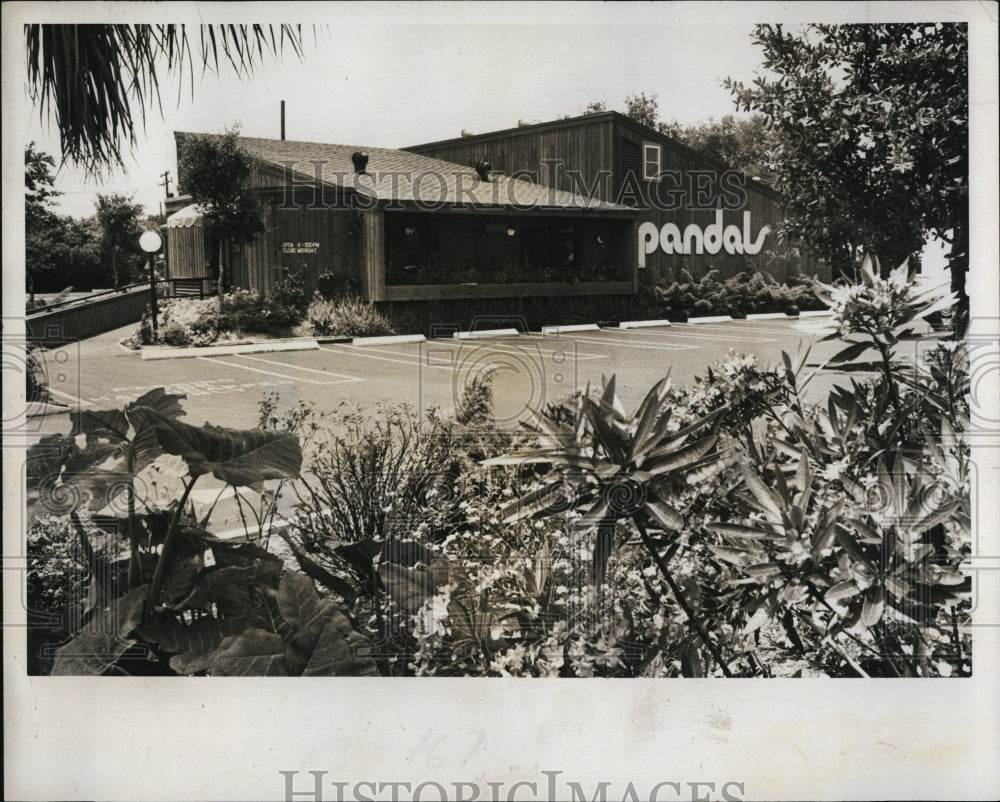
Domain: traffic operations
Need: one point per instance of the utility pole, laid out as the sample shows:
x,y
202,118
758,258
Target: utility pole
x,y
165,183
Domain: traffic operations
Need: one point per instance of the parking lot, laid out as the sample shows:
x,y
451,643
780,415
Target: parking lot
x,y
529,370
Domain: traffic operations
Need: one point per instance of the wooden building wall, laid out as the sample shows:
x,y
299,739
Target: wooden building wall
x,y
597,148
186,251
585,147
305,241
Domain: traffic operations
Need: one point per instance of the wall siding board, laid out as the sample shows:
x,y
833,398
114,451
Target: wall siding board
x,y
590,146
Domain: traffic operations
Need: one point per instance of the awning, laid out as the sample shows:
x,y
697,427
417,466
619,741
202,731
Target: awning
x,y
185,218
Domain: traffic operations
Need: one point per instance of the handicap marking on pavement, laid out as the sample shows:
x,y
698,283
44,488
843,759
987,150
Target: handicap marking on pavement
x,y
193,388
293,379
343,376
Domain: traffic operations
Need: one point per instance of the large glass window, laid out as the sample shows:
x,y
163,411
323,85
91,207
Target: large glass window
x,y
434,248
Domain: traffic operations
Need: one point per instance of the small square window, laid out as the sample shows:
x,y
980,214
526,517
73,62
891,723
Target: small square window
x,y
651,162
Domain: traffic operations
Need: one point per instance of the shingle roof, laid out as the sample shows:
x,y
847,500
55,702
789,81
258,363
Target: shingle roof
x,y
398,175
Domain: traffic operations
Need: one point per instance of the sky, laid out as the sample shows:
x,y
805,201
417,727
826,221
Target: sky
x,y
365,81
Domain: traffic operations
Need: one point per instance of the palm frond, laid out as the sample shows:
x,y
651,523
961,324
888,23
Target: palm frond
x,y
97,81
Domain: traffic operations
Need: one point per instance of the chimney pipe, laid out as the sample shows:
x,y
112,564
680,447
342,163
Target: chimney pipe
x,y
360,159
282,120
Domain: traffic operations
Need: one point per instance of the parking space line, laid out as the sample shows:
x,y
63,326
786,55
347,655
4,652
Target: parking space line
x,y
630,333
217,361
584,355
738,326
72,398
299,367
364,353
649,344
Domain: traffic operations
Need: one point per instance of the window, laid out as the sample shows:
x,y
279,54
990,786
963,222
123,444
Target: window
x,y
650,162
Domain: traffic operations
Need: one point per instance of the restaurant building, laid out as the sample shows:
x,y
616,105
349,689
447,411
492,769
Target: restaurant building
x,y
402,226
693,212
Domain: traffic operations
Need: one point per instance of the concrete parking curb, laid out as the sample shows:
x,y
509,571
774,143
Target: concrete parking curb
x,y
571,328
480,335
166,352
768,316
389,339
643,324
712,319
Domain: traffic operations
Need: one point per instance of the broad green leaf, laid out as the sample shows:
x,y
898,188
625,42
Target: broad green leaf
x,y
731,555
236,456
189,642
340,652
608,439
253,653
100,424
873,607
842,590
297,599
660,463
665,515
408,587
761,571
180,578
740,530
537,501
228,586
597,513
764,498
649,413
104,639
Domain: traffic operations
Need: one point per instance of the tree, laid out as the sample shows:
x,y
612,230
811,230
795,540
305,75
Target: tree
x,y
742,144
39,219
871,123
644,110
93,78
215,172
119,222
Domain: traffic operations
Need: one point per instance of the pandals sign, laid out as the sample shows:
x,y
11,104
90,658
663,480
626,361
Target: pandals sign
x,y
712,239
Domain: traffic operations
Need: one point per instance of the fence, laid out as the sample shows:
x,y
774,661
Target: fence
x,y
85,317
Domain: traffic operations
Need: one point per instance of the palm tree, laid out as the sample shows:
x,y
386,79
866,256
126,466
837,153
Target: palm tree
x,y
93,76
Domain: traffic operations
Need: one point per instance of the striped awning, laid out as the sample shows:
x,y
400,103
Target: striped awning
x,y
185,218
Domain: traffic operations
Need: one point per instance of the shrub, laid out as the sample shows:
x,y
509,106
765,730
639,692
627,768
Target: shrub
x,y
290,291
347,317
175,334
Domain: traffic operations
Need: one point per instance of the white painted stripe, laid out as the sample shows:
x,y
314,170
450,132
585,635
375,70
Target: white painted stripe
x,y
710,319
563,351
412,361
478,335
655,346
71,398
643,324
389,340
687,334
299,367
217,361
570,328
816,313
228,350
768,316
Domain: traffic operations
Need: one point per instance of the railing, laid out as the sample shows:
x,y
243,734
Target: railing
x,y
85,317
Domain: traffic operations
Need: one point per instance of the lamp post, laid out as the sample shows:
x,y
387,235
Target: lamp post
x,y
150,242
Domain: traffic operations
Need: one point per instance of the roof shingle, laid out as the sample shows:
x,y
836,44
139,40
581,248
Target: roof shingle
x,y
402,176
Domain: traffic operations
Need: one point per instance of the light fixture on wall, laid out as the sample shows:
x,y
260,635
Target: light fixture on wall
x,y
511,231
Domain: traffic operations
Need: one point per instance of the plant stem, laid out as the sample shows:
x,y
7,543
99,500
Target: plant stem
x,y
679,596
134,567
169,543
